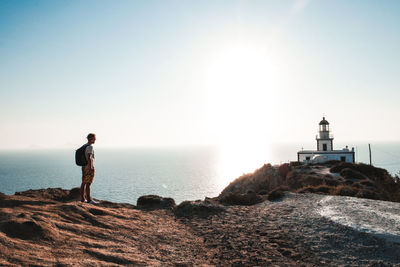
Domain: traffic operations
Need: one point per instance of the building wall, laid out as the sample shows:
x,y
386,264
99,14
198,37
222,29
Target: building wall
x,y
349,157
320,144
324,134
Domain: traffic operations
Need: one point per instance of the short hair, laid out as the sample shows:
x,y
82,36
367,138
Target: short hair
x,y
91,135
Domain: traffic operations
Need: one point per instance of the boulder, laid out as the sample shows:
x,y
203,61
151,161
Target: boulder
x,y
27,229
276,194
198,208
57,194
246,199
155,202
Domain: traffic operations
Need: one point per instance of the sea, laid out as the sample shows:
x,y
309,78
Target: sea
x,y
183,173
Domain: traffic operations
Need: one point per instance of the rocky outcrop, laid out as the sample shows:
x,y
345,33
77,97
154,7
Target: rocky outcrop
x,y
28,229
246,189
155,202
332,178
198,208
56,194
246,199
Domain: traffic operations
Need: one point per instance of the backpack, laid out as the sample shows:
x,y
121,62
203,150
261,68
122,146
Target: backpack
x,y
80,158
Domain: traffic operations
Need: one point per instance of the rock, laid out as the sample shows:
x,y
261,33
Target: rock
x,y
26,229
155,202
276,194
56,194
74,194
197,208
241,199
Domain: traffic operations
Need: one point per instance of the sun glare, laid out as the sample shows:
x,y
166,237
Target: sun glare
x,y
242,84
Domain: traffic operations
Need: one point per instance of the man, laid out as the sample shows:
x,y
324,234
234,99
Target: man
x,y
88,170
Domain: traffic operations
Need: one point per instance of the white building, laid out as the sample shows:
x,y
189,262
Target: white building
x,y
325,150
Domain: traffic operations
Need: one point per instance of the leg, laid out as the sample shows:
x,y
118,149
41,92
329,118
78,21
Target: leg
x,y
88,192
83,185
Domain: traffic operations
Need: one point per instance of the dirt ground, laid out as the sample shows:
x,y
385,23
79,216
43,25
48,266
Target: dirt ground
x,y
37,230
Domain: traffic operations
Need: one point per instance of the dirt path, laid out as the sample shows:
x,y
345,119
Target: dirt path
x,y
290,232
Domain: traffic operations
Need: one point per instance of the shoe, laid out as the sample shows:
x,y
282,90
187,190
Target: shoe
x,y
93,202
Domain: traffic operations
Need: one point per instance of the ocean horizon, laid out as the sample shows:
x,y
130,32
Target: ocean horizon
x,y
183,173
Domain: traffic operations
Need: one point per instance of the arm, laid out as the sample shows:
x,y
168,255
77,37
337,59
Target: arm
x,y
90,161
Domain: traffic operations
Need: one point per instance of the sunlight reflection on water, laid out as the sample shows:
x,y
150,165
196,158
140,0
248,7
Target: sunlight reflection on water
x,y
122,175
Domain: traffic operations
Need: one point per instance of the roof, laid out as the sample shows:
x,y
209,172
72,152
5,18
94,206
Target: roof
x,y
318,152
323,122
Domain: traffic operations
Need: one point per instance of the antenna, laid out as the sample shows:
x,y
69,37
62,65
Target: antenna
x,y
370,157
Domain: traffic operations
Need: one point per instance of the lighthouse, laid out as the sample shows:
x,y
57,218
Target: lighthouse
x,y
324,137
325,151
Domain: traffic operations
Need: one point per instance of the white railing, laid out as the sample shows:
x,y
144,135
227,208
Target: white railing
x,y
330,136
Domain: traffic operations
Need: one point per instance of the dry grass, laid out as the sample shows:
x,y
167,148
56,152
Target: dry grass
x,y
345,190
325,189
358,180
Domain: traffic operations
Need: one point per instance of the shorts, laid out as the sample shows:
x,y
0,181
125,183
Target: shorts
x,y
87,174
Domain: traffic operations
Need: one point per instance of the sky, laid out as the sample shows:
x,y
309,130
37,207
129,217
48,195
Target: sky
x,y
177,73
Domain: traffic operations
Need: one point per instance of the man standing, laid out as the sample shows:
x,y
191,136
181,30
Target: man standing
x,y
88,170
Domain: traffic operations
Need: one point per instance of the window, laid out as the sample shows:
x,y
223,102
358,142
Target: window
x,y
307,158
342,158
324,147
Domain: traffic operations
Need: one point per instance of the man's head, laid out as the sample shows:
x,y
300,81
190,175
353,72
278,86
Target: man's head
x,y
91,138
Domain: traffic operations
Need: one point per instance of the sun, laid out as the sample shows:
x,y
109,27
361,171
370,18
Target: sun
x,y
242,92
242,87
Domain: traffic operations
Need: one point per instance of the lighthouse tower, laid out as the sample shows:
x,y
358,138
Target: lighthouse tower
x,y
325,150
324,138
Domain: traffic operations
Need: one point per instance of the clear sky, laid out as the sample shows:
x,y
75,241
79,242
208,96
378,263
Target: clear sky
x,y
166,73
